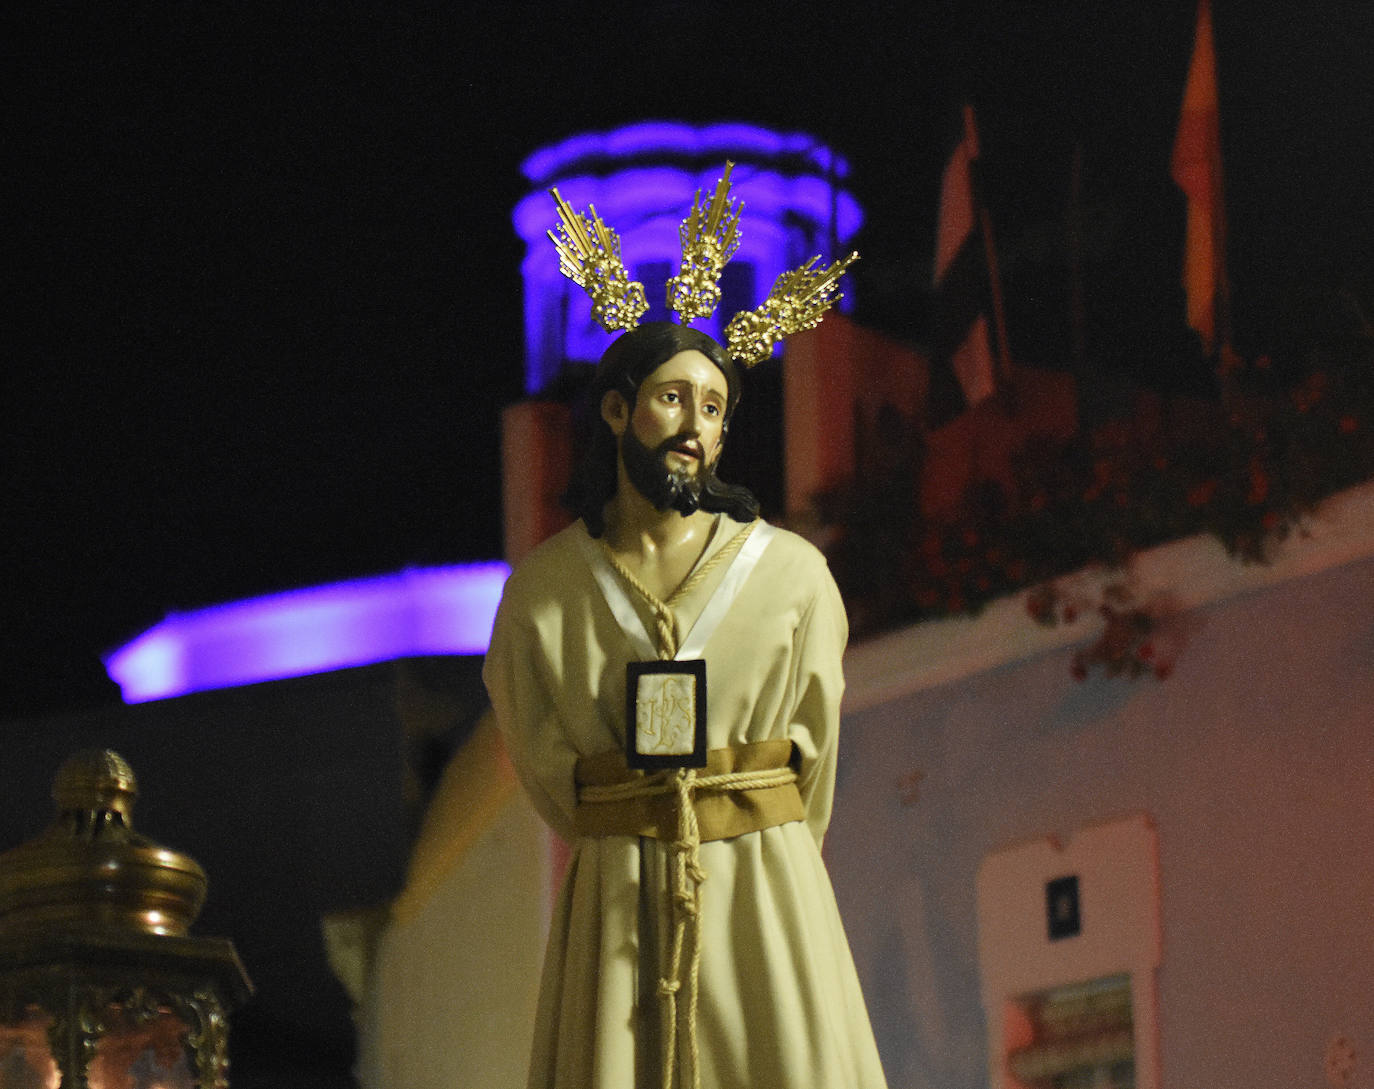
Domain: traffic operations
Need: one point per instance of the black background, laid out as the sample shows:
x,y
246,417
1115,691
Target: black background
x,y
263,291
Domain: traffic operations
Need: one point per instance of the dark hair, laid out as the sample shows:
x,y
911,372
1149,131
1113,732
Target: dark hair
x,y
630,359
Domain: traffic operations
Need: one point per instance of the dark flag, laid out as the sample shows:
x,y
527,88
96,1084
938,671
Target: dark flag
x,y
967,335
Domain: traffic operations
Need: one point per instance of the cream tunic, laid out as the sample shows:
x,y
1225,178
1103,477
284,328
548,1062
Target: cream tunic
x,y
780,1006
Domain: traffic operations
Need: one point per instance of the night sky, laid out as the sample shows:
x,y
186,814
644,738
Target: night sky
x,y
264,293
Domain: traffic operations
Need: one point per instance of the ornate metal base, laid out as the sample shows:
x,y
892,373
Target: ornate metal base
x,y
101,1002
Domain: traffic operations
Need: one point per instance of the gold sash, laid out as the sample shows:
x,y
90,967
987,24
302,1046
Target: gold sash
x,y
723,811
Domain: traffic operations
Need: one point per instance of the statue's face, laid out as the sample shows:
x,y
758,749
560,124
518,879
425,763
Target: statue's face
x,y
672,435
682,403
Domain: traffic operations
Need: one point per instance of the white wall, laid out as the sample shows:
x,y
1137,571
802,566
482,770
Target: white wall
x,y
1255,761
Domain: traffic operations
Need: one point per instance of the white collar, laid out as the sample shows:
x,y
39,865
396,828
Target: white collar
x,y
632,624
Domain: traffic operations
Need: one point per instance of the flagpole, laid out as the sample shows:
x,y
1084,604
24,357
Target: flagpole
x,y
990,254
1078,335
998,315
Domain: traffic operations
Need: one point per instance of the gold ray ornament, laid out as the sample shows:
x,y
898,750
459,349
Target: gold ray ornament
x,y
589,256
709,239
798,301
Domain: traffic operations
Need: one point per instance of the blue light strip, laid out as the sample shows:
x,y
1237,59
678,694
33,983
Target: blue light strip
x,y
642,179
426,611
677,138
633,195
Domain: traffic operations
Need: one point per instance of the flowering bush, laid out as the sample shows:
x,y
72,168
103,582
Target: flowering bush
x,y
1245,467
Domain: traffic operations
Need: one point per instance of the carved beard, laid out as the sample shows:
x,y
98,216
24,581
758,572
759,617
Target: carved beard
x,y
663,487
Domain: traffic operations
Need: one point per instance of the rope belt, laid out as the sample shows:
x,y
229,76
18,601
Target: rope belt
x,y
742,789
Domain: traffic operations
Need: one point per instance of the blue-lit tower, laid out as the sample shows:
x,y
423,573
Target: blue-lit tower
x,y
642,180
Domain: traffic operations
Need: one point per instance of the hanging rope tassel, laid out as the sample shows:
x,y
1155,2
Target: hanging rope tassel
x,y
686,919
685,880
687,874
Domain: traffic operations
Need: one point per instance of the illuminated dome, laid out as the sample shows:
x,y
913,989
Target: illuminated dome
x,y
642,180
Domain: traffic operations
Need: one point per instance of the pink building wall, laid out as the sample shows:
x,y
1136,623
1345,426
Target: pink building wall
x,y
1254,761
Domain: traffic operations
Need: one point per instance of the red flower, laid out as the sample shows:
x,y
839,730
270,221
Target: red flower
x,y
1078,670
1348,424
1145,651
1202,493
1310,392
1259,484
1270,521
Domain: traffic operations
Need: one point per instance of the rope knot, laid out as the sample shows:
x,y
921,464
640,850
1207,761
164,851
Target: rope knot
x,y
668,987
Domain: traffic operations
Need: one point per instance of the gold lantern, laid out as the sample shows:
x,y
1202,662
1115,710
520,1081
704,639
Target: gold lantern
x,y
101,986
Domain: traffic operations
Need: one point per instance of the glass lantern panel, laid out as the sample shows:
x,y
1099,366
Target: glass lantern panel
x,y
25,1060
142,1054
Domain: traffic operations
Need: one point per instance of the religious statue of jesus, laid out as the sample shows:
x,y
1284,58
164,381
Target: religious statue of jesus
x,y
696,942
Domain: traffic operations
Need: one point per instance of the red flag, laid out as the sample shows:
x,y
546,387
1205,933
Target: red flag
x,y
1196,168
962,341
957,220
